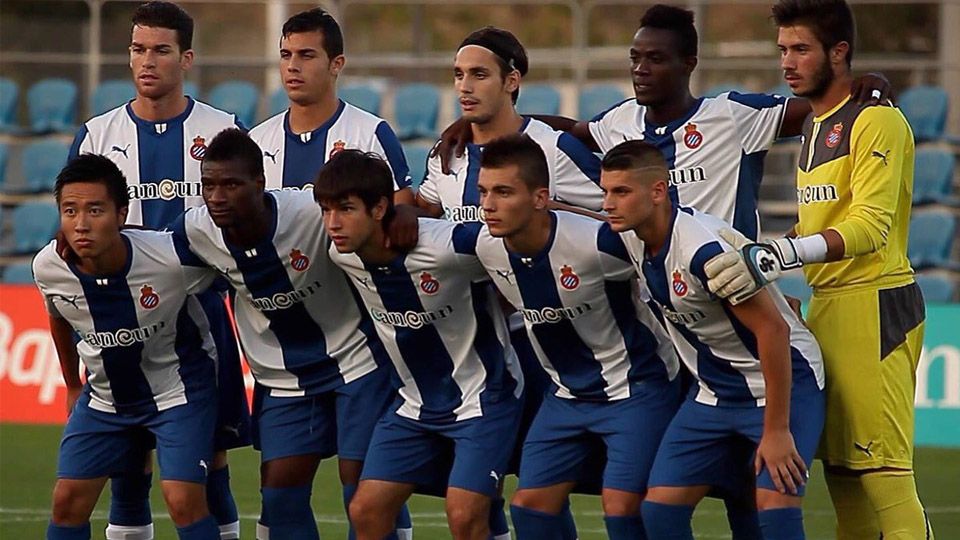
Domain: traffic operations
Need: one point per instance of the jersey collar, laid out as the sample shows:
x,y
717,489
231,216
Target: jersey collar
x,y
831,112
321,129
149,125
673,125
546,248
84,277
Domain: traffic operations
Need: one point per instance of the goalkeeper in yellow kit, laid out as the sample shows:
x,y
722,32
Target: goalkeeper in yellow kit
x,y
854,186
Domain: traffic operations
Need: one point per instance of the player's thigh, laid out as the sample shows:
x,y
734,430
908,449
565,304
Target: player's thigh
x,y
285,427
632,430
97,444
699,440
359,406
402,450
483,448
185,436
556,446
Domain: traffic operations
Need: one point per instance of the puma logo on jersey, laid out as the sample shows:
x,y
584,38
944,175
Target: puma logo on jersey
x,y
880,155
72,300
864,449
273,156
123,150
505,274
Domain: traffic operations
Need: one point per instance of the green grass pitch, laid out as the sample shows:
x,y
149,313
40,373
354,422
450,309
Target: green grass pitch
x,y
28,462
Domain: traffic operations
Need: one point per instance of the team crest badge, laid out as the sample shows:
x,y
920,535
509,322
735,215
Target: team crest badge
x,y
568,279
337,148
298,260
149,299
679,285
199,148
429,284
833,138
692,138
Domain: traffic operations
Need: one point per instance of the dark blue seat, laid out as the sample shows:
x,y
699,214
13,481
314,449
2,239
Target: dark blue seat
x,y
933,175
40,163
52,106
9,94
34,224
926,109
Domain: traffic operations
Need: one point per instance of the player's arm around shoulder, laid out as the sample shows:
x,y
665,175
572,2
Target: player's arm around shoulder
x,y
428,195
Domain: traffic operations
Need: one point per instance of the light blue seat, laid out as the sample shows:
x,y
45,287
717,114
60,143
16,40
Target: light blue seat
x,y
4,157
18,274
416,155
937,288
926,109
110,95
52,106
795,284
191,89
238,97
278,102
931,237
596,99
9,94
40,163
933,175
34,224
718,89
416,107
782,89
362,96
538,99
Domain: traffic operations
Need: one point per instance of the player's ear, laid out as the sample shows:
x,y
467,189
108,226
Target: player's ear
x,y
379,210
541,198
122,214
690,64
512,81
336,65
838,53
186,59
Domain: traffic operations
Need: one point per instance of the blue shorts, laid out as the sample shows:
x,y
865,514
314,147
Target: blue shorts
x,y
339,422
702,441
565,431
97,444
407,451
233,411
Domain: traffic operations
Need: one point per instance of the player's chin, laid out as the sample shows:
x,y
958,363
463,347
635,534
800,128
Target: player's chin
x,y
617,224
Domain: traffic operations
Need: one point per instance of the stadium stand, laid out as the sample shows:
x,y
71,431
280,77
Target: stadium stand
x,y
277,102
238,97
933,176
597,98
782,89
4,157
937,288
718,89
362,96
416,108
20,273
538,99
34,224
191,89
111,94
52,106
795,285
40,162
926,109
9,94
931,239
416,155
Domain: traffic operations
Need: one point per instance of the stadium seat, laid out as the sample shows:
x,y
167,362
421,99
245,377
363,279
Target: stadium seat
x,y
238,97
782,89
795,284
34,224
52,106
9,93
416,155
278,102
538,99
110,95
18,274
41,162
931,237
926,109
4,156
362,96
596,99
416,107
933,175
191,89
937,288
718,89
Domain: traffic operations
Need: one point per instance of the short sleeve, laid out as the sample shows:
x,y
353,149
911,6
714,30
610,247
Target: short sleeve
x,y
429,189
604,130
614,258
181,242
81,143
703,254
757,118
393,152
465,237
198,279
577,174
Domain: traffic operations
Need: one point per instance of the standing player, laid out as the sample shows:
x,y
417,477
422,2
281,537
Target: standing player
x,y
439,318
854,182
322,378
317,125
150,362
611,363
158,140
758,370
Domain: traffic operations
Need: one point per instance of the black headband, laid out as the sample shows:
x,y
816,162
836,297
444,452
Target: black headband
x,y
498,49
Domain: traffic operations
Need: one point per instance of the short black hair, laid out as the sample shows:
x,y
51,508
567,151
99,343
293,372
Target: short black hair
x,y
158,14
94,168
317,20
830,20
632,155
506,48
677,20
354,172
520,150
233,143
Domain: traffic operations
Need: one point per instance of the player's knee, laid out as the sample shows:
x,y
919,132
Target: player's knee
x,y
219,459
186,502
69,505
466,521
365,511
532,499
621,503
771,500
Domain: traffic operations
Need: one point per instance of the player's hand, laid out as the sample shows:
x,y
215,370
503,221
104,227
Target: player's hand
x,y
73,394
738,275
871,89
452,142
779,455
404,228
63,248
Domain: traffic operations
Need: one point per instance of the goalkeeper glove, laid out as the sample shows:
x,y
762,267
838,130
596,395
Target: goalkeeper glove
x,y
738,275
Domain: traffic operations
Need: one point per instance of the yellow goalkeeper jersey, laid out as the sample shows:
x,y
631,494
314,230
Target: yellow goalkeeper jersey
x,y
855,176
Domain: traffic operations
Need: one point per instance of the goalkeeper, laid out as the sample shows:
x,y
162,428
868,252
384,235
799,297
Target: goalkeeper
x,y
854,186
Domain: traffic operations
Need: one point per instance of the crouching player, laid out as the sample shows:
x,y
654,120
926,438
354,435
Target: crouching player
x,y
759,370
438,317
145,344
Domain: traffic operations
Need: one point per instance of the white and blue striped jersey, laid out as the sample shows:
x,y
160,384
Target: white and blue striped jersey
x,y
161,160
574,175
299,321
440,320
145,343
577,301
714,345
714,152
292,160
